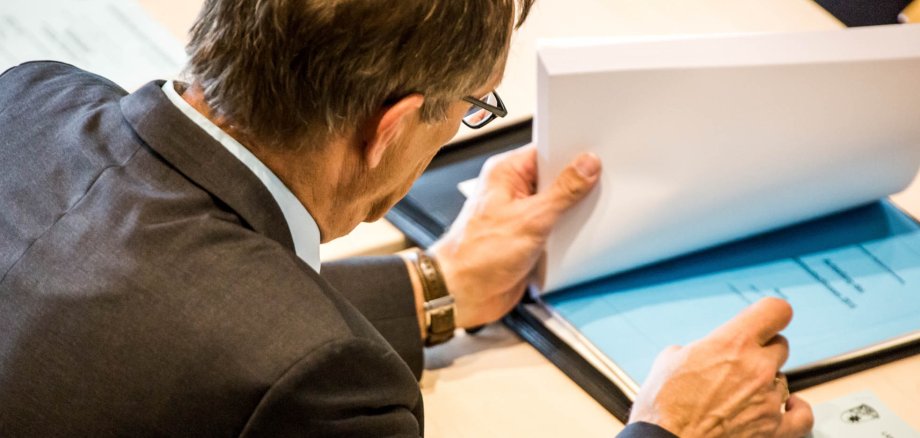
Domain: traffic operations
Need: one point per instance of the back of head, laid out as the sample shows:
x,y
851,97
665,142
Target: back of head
x,y
286,71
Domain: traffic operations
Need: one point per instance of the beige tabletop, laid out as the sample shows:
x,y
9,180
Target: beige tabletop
x,y
493,384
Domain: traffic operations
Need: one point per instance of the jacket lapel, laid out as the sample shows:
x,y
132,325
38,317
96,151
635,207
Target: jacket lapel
x,y
203,160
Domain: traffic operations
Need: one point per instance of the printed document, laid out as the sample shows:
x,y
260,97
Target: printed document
x,y
113,38
852,280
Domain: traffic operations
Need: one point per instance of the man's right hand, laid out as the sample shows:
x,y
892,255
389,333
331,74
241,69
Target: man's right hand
x,y
724,384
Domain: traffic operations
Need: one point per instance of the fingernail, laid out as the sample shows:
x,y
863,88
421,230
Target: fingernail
x,y
588,165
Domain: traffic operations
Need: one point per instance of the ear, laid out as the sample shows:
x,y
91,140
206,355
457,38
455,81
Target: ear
x,y
382,130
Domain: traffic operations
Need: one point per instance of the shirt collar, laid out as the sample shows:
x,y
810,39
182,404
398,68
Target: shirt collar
x,y
304,231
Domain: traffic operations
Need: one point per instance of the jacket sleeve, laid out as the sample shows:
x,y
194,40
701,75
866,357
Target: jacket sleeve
x,y
345,388
379,287
644,430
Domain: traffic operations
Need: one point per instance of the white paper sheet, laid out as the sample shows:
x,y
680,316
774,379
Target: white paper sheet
x,y
113,38
710,139
859,415
467,187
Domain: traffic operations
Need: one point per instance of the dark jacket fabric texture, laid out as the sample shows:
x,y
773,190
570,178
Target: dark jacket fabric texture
x,y
149,287
148,284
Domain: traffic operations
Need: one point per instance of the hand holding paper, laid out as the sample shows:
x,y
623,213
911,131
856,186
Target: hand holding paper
x,y
489,253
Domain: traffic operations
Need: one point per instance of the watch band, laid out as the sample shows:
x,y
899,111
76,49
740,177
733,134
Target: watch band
x,y
439,304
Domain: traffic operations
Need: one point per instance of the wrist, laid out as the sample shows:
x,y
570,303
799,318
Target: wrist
x,y
443,251
662,423
655,412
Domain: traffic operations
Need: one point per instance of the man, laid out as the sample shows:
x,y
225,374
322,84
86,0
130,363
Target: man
x,y
159,250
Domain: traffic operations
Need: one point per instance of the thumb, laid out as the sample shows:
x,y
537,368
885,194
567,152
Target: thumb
x,y
572,185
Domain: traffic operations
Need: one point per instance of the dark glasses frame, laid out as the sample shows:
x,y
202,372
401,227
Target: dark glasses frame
x,y
495,111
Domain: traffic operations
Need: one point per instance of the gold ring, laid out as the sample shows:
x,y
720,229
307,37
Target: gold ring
x,y
780,379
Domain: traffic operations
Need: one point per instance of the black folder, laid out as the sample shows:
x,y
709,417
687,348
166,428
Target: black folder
x,y
433,203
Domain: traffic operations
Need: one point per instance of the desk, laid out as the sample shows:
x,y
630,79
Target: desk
x,y
493,384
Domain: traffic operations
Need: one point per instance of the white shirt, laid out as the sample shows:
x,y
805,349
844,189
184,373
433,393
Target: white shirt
x,y
304,231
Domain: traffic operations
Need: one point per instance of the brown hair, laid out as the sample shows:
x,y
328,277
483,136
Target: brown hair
x,y
283,71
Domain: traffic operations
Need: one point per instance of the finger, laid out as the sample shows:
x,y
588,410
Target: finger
x,y
524,155
515,169
514,296
777,349
572,185
798,419
761,321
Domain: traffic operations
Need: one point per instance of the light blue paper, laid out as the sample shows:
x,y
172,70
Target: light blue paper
x,y
853,280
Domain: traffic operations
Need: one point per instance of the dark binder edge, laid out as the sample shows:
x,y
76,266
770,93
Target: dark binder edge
x,y
530,329
816,376
417,227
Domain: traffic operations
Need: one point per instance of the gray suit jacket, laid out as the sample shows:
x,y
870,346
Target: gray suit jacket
x,y
148,284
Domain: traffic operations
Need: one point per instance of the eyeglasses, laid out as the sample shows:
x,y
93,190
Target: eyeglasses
x,y
484,110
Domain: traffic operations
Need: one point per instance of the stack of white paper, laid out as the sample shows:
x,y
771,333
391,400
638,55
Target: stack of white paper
x,y
705,140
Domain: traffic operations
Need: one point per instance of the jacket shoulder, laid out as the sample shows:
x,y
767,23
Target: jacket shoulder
x,y
43,83
41,71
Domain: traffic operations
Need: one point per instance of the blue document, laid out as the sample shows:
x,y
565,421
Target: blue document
x,y
853,280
